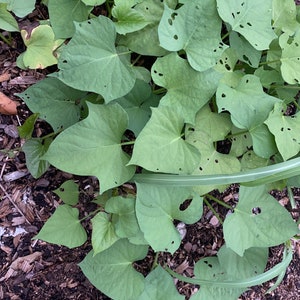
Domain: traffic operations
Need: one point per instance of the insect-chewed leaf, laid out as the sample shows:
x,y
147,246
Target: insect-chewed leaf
x,y
285,16
68,192
145,41
156,208
195,25
228,266
186,93
248,104
286,131
244,17
209,128
258,221
290,57
89,146
111,271
56,103
106,69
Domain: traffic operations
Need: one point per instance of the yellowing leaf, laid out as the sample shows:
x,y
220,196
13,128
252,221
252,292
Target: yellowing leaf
x,y
40,45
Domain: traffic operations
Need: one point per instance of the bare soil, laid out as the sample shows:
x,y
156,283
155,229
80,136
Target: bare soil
x,y
33,269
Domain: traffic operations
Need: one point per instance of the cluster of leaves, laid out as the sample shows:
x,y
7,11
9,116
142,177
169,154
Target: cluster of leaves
x,y
204,87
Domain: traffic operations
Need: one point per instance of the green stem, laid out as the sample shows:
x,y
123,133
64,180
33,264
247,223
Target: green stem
x,y
296,104
213,211
211,197
159,91
236,134
225,36
127,143
91,214
155,263
269,62
291,196
7,41
108,7
136,60
290,87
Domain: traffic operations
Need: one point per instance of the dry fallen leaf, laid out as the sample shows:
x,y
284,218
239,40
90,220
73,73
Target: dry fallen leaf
x,y
24,264
7,106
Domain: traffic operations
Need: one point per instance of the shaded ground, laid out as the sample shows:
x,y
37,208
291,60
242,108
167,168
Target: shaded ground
x,y
32,269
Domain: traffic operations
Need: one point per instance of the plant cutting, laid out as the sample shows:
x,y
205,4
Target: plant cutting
x,y
176,98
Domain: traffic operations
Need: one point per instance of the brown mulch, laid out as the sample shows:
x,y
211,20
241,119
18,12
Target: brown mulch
x,y
33,269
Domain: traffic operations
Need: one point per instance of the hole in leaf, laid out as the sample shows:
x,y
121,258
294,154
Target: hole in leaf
x,y
246,58
200,168
245,136
256,210
191,129
223,108
227,67
247,80
238,12
243,3
221,61
281,129
175,37
173,15
65,61
241,26
223,96
233,15
180,169
89,22
216,161
147,8
160,74
61,189
185,204
172,242
249,24
170,21
288,128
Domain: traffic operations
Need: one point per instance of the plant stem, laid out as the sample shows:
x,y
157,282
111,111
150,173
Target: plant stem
x,y
155,263
136,60
290,87
296,104
236,134
269,62
291,196
6,40
218,201
91,214
108,9
213,210
159,91
225,36
127,143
